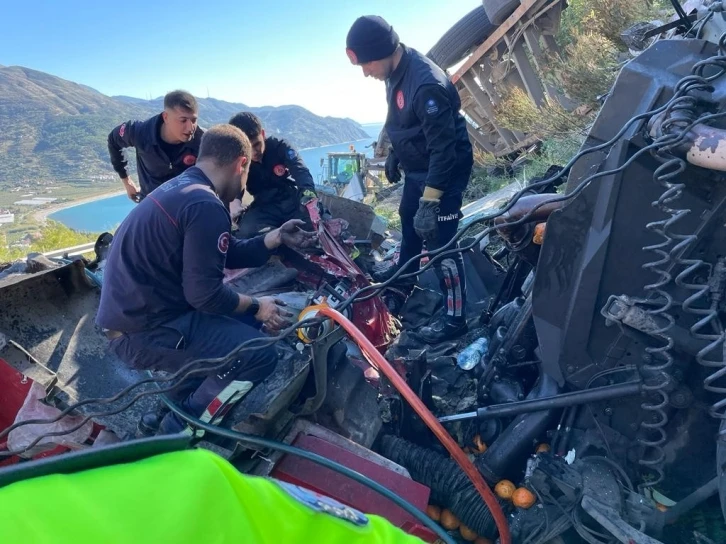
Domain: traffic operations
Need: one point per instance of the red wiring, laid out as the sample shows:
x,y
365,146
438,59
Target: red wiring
x,y
378,361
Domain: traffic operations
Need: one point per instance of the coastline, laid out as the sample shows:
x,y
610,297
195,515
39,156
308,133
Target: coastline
x,y
41,216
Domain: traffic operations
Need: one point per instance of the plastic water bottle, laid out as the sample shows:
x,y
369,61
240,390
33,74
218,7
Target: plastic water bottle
x,y
472,354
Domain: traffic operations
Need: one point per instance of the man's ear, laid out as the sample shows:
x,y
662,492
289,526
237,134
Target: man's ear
x,y
263,134
165,116
243,164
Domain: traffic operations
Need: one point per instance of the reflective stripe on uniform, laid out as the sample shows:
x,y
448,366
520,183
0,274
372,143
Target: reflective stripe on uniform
x,y
225,399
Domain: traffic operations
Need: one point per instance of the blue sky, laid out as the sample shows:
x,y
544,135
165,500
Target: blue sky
x,y
260,53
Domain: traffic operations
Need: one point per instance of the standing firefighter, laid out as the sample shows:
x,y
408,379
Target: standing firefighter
x,y
431,145
166,144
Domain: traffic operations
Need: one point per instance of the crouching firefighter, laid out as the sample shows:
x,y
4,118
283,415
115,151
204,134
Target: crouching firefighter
x,y
279,181
163,301
430,143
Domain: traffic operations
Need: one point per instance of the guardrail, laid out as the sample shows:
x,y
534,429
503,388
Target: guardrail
x,y
72,251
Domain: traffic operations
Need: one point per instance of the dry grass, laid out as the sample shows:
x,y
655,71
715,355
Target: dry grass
x,y
517,111
605,17
610,17
589,67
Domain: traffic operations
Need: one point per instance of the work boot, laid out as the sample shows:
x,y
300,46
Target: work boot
x,y
149,423
443,328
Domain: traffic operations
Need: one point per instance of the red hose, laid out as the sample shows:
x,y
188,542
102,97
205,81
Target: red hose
x,y
431,422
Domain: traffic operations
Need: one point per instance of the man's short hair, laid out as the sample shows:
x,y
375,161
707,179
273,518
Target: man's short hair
x,y
182,100
248,123
224,144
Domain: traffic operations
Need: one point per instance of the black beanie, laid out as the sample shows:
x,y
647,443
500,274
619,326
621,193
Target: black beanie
x,y
370,38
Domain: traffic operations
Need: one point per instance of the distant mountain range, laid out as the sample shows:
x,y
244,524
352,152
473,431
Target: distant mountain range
x,y
56,129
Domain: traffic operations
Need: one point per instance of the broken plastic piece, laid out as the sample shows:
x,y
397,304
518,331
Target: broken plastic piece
x,y
21,438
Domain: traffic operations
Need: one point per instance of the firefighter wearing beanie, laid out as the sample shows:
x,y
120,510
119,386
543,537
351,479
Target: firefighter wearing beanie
x,y
431,145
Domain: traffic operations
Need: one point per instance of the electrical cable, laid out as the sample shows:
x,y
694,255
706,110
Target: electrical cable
x,y
315,458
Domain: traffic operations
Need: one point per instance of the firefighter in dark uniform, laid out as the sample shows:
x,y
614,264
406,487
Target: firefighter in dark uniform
x,y
166,145
430,143
279,181
164,303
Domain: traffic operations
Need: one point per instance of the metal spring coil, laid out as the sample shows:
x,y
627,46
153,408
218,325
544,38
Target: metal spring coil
x,y
706,297
678,116
704,303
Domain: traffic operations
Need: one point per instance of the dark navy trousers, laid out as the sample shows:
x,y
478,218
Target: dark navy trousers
x,y
196,335
449,270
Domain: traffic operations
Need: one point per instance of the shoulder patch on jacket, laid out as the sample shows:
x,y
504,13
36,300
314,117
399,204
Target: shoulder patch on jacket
x,y
321,503
223,243
432,108
122,130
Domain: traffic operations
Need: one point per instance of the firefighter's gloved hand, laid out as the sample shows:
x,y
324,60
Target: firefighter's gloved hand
x,y
393,174
426,219
307,196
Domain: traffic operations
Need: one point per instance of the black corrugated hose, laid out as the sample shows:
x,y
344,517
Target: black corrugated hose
x,y
450,487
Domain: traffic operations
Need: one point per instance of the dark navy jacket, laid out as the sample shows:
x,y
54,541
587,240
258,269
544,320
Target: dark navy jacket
x,y
153,166
168,257
280,178
427,131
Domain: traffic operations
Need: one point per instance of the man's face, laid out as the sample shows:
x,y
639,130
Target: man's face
x,y
258,146
237,181
377,69
181,124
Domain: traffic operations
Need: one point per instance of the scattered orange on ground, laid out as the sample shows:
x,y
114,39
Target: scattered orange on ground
x,y
467,534
523,498
449,521
434,512
543,448
480,446
505,489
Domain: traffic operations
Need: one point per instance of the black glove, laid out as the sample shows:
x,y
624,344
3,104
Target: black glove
x,y
393,174
425,222
306,196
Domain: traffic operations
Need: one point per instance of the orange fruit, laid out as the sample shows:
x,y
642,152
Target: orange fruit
x,y
448,520
661,507
481,447
467,534
434,512
523,498
504,489
543,448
